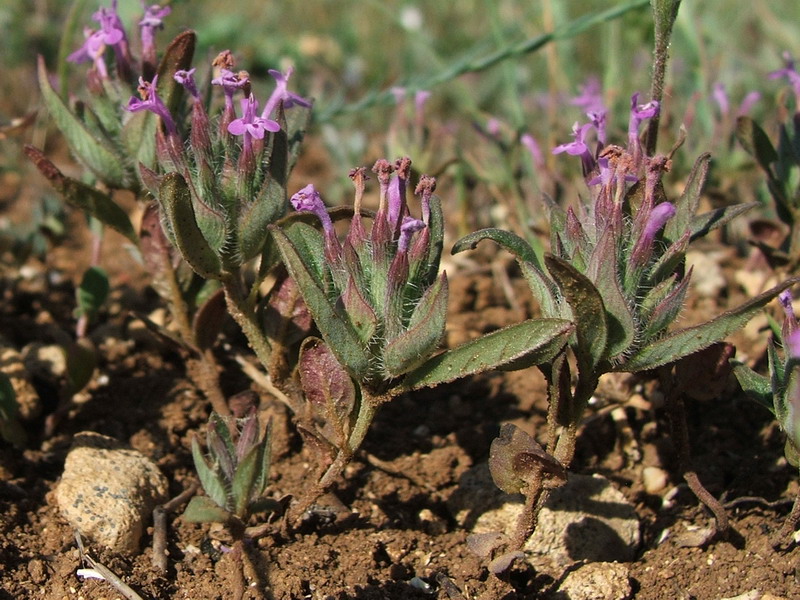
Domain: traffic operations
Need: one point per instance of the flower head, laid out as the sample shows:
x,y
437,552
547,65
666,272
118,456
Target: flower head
x,y
249,123
151,101
150,23
579,147
281,93
590,98
186,79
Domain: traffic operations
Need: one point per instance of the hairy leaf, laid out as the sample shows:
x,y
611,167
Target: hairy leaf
x,y
84,197
337,332
531,342
99,158
176,203
688,341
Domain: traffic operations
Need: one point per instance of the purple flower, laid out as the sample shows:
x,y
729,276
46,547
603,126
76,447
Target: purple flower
x,y
639,113
790,325
598,119
150,23
721,98
590,98
407,230
150,101
281,93
231,82
397,193
308,199
790,73
249,123
749,100
95,44
532,145
186,79
399,94
578,147
657,218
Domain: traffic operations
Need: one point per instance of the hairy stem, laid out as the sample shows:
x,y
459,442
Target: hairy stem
x,y
246,318
664,14
366,412
680,433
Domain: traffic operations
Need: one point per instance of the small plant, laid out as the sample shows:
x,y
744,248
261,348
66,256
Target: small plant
x,y
145,128
235,475
379,303
780,394
617,270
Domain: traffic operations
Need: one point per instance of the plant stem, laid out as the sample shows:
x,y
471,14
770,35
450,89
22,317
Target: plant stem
x,y
680,432
790,524
535,496
246,318
366,412
664,14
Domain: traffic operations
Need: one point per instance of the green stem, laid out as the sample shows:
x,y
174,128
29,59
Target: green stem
x,y
664,14
246,318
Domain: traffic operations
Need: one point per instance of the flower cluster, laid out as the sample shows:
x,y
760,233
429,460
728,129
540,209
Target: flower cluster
x,y
384,282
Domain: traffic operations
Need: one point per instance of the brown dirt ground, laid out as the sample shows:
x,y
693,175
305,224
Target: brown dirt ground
x,y
397,489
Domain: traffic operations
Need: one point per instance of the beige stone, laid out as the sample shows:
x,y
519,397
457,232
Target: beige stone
x,y
108,492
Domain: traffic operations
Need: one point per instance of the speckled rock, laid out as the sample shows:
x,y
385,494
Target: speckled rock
x,y
596,581
108,491
585,519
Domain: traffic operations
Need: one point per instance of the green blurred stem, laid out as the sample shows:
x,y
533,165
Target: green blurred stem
x,y
664,14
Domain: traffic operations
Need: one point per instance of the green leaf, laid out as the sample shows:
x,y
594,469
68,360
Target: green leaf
x,y
687,205
211,480
176,202
327,387
505,239
700,225
138,137
254,217
756,143
244,479
177,57
202,509
757,387
515,457
209,319
588,310
262,471
88,199
337,332
425,331
81,362
93,291
436,244
602,269
528,343
100,159
688,341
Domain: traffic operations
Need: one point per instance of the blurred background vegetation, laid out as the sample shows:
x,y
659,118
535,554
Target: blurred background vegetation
x,y
488,86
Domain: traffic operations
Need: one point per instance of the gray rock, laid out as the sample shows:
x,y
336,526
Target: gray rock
x,y
108,492
586,519
596,581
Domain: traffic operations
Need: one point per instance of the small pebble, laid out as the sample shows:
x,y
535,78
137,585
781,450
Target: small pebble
x,y
654,479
